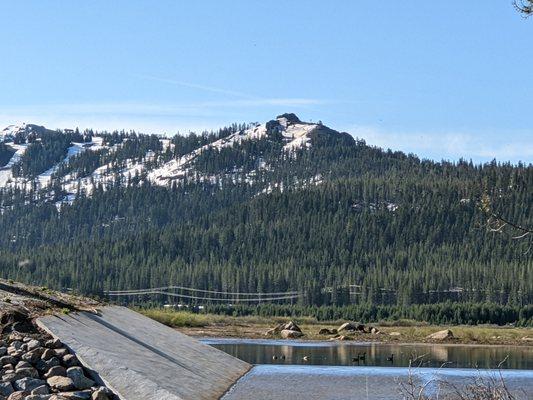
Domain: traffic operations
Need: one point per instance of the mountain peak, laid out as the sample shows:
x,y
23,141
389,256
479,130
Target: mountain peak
x,y
288,119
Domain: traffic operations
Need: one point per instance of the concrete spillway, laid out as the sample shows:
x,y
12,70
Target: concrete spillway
x,y
140,359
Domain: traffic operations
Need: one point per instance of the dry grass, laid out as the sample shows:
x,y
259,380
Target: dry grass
x,y
255,327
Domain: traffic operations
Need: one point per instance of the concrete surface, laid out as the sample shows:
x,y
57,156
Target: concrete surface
x,y
140,359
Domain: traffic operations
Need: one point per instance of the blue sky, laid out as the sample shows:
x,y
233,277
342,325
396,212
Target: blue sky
x,y
442,79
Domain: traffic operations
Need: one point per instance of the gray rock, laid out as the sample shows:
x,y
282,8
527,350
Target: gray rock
x,y
78,395
60,383
15,336
441,335
102,393
43,389
58,370
23,364
7,367
61,352
70,360
289,334
33,344
27,372
48,354
79,379
33,355
28,384
347,326
38,397
53,344
16,344
44,366
3,351
6,389
8,360
9,376
19,395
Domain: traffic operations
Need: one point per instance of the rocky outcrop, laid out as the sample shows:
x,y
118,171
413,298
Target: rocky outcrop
x,y
445,334
351,327
290,334
287,330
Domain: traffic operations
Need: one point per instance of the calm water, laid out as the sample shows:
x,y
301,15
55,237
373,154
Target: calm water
x,y
329,370
283,352
282,382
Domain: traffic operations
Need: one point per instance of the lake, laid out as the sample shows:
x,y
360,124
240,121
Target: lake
x,y
373,371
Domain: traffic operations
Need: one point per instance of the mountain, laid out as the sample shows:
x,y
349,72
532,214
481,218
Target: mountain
x,y
283,205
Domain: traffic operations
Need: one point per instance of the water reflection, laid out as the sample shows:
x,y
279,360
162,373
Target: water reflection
x,y
376,354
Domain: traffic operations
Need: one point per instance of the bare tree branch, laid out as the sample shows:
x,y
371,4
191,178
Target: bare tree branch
x,y
525,7
496,222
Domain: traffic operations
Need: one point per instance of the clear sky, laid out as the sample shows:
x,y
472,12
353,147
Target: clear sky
x,y
443,79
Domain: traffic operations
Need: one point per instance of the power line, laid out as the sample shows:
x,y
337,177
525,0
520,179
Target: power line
x,y
258,299
135,291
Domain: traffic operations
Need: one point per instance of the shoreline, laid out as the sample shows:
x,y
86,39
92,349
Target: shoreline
x,y
465,335
322,342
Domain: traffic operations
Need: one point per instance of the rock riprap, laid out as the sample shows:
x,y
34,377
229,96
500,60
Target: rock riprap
x,y
35,367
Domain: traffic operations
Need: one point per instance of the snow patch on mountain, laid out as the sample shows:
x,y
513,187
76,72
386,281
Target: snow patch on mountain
x,y
296,133
6,173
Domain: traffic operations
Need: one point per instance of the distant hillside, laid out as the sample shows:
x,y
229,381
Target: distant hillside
x,y
284,205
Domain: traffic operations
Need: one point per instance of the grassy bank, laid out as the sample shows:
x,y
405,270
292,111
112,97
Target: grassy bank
x,y
408,331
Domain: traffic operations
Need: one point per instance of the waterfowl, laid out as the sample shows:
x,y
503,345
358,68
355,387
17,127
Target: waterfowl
x,y
391,358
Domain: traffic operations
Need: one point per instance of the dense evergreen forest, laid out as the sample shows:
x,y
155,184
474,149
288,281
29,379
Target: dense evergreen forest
x,y
357,230
5,154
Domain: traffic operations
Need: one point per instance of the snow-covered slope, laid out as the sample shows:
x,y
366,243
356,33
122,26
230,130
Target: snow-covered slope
x,y
295,133
154,165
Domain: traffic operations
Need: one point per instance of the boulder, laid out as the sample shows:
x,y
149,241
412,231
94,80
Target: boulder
x,y
61,352
70,360
38,397
34,355
48,354
3,351
375,331
79,380
33,344
23,364
8,360
326,331
19,395
53,344
60,383
441,335
27,372
43,389
347,326
395,334
291,326
290,334
58,370
28,384
286,326
101,393
344,337
6,389
78,395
